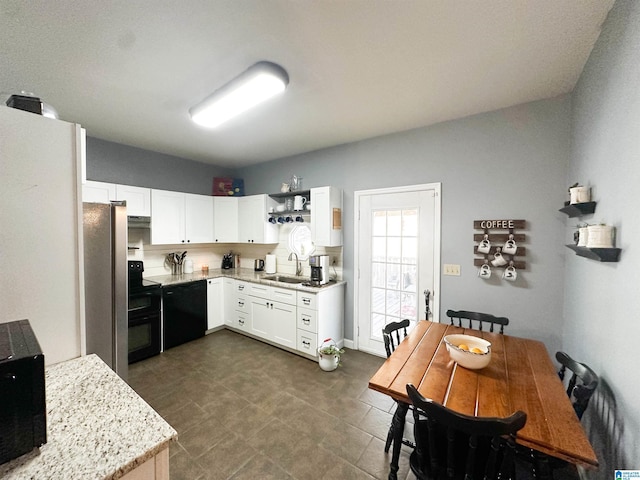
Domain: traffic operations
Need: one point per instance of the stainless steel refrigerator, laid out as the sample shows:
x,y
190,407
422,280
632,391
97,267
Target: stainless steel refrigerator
x,y
106,283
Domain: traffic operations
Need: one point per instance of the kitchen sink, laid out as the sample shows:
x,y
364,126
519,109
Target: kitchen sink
x,y
283,279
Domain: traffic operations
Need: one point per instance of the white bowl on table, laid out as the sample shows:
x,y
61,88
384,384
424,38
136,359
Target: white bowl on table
x,y
475,356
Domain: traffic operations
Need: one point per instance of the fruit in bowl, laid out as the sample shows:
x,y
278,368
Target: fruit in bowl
x,y
470,352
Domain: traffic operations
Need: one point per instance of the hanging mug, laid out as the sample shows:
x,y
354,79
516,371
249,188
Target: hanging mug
x,y
510,246
498,259
485,245
485,271
510,273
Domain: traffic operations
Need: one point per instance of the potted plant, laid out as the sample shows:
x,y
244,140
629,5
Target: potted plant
x,y
579,193
329,355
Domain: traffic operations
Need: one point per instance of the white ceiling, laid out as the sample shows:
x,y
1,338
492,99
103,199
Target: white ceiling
x,y
129,71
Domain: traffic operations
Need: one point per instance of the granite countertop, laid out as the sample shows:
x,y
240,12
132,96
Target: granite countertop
x,y
97,426
245,274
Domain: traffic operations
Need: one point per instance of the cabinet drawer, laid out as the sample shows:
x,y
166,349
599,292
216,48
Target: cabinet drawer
x,y
242,304
307,320
283,295
242,321
242,287
258,290
307,300
307,342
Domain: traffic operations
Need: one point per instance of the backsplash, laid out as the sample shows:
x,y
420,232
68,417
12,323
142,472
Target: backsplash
x,y
154,256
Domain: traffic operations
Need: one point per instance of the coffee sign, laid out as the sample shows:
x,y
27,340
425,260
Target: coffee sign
x,y
498,224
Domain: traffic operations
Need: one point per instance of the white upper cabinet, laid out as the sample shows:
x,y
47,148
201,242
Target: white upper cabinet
x,y
181,218
98,192
225,219
326,216
253,225
138,200
198,218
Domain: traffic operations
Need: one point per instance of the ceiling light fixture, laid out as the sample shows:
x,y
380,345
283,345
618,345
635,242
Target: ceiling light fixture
x,y
253,86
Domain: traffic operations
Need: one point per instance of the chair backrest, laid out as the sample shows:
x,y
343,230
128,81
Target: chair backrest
x,y
579,392
392,330
452,445
481,318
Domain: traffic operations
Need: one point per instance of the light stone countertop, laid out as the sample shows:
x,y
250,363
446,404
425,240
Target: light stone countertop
x,y
245,274
97,426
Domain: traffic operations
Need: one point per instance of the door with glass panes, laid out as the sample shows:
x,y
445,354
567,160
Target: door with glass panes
x,y
397,256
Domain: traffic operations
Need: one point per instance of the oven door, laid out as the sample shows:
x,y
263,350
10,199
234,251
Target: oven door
x,y
144,336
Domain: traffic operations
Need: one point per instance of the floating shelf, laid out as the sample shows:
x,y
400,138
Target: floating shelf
x,y
304,213
303,193
577,209
599,254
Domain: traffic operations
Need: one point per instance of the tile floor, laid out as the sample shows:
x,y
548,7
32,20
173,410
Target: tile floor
x,y
245,409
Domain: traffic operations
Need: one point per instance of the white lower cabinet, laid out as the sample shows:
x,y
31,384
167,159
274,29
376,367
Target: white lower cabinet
x,y
273,314
229,286
215,303
299,321
320,316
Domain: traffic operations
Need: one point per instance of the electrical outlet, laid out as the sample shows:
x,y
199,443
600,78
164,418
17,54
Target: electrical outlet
x,y
452,269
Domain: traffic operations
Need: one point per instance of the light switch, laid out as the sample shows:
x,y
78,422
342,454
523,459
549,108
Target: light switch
x,y
452,269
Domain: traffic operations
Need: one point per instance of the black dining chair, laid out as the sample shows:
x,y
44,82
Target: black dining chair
x,y
580,387
455,446
465,319
391,334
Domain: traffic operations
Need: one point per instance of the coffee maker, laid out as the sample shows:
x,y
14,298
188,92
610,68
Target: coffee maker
x,y
319,269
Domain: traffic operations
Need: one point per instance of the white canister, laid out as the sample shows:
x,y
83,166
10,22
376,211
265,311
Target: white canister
x,y
188,266
270,263
580,194
600,236
583,234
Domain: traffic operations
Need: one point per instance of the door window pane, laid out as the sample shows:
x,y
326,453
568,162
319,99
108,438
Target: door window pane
x,y
394,267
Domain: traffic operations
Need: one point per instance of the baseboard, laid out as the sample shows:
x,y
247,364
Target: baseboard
x,y
348,343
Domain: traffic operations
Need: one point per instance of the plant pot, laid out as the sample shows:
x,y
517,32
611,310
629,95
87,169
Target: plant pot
x,y
580,194
328,363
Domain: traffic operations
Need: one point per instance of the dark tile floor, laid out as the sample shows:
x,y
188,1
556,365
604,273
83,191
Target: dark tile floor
x,y
247,410
244,409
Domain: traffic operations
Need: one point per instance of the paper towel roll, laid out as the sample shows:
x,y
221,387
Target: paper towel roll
x,y
270,264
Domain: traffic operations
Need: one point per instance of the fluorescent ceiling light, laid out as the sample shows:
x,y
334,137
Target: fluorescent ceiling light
x,y
255,85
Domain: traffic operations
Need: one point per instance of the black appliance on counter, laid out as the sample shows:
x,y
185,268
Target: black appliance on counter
x,y
228,261
23,413
144,314
184,312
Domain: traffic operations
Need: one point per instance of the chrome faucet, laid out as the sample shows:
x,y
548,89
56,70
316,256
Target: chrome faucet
x,y
298,264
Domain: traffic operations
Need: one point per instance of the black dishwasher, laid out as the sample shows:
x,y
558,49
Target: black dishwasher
x,y
184,312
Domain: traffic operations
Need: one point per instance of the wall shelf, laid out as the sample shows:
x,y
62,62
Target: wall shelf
x,y
599,254
577,209
303,193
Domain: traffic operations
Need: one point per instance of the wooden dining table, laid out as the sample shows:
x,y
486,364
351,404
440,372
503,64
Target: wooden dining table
x,y
520,376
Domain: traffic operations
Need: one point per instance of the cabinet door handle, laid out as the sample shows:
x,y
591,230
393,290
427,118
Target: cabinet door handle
x,y
240,287
306,344
241,322
306,321
306,301
240,304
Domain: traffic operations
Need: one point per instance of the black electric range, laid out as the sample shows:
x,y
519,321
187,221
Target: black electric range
x,y
144,314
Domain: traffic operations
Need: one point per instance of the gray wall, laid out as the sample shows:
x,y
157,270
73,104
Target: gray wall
x,y
602,300
115,163
504,164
